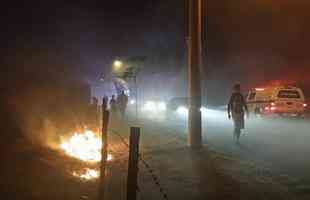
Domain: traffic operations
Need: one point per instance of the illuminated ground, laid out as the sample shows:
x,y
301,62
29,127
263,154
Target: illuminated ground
x,y
272,151
270,164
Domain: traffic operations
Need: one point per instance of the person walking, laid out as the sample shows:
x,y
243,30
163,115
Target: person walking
x,y
113,104
122,101
236,110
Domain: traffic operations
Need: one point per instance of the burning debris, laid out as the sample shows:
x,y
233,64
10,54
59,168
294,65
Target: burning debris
x,y
87,174
87,148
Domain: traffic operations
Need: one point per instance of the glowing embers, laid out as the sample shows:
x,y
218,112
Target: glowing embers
x,y
84,146
87,174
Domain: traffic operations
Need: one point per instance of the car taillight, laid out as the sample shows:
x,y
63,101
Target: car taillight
x,y
273,108
273,104
267,108
305,105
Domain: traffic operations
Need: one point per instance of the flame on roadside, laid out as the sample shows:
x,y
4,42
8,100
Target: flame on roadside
x,y
88,174
84,146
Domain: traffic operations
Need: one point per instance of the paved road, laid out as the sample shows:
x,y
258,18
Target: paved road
x,y
279,144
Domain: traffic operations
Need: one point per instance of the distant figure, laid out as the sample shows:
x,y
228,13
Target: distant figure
x,y
122,101
236,107
113,104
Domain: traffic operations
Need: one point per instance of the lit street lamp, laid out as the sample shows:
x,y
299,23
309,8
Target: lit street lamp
x,y
117,65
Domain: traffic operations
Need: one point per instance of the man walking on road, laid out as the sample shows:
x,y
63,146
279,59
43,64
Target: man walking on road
x,y
236,107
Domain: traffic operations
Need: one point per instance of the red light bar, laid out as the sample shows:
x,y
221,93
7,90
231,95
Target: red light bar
x,y
259,89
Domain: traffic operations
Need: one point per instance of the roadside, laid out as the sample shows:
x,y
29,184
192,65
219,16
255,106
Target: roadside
x,y
187,174
30,172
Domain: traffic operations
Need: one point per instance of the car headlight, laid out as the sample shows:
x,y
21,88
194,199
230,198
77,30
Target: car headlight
x,y
132,102
149,106
203,110
161,106
182,110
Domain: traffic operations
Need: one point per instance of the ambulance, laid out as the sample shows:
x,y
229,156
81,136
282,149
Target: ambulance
x,y
277,101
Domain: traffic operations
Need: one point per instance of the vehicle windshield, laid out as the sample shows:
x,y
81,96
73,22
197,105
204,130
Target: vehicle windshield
x,y
289,94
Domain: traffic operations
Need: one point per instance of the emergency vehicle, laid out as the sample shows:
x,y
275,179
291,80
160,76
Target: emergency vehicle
x,y
277,101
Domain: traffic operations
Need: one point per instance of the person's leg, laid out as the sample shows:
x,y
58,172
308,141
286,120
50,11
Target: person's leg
x,y
235,134
237,123
238,134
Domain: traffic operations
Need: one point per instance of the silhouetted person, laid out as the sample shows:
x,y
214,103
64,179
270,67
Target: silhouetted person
x,y
113,104
122,101
236,108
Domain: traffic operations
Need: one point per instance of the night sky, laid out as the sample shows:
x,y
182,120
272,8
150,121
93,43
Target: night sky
x,y
252,42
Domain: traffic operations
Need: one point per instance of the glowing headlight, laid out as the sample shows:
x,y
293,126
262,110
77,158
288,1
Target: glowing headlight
x,y
132,102
162,106
203,110
182,110
149,106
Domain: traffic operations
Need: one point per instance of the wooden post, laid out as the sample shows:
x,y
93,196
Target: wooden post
x,y
194,79
104,150
132,179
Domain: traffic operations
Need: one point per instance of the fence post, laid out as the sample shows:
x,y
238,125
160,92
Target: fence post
x,y
132,182
104,149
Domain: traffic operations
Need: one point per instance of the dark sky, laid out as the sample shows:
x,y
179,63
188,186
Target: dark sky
x,y
249,41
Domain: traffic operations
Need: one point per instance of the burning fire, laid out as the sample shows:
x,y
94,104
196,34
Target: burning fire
x,y
86,147
88,174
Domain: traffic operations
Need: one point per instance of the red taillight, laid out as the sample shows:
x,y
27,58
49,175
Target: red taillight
x,y
273,104
273,108
267,108
305,105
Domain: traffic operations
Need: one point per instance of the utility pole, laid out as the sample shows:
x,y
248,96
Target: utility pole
x,y
194,77
104,150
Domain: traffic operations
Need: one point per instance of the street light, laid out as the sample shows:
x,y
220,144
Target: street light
x,y
117,65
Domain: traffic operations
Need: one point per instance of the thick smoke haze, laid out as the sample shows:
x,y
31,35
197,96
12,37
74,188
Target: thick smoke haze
x,y
251,42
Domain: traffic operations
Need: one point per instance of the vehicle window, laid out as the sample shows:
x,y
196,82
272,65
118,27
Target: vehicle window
x,y
294,94
252,95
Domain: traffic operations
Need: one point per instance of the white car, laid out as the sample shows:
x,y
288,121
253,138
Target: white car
x,y
277,100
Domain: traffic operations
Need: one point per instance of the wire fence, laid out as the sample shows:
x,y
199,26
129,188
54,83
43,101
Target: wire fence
x,y
143,164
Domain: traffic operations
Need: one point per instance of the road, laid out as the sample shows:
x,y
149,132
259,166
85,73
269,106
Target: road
x,y
281,145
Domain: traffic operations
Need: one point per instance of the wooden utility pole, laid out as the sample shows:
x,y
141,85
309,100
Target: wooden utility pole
x,y
132,179
194,77
104,150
